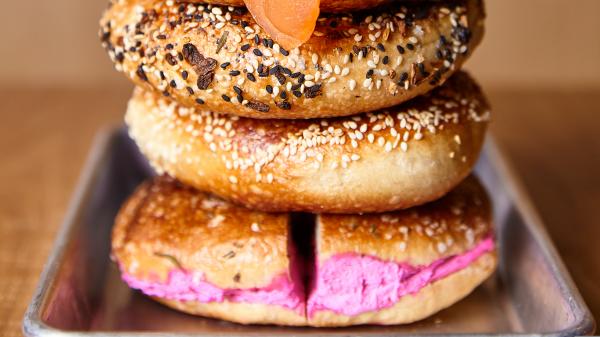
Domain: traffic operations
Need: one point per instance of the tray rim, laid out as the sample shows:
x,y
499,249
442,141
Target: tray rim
x,y
34,326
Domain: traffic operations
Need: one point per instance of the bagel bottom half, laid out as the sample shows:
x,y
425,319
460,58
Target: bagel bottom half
x,y
203,256
243,313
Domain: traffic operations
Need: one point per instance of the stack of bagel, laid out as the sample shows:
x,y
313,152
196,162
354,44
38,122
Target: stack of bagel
x,y
328,184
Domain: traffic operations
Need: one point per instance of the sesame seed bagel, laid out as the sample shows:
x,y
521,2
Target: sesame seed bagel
x,y
392,159
181,246
218,59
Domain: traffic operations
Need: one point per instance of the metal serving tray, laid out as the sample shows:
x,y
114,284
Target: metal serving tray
x,y
80,291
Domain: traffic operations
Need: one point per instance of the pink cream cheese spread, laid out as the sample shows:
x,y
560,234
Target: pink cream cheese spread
x,y
347,284
350,284
182,285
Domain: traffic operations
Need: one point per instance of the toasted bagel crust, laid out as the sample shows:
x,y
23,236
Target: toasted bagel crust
x,y
399,158
418,236
218,59
165,221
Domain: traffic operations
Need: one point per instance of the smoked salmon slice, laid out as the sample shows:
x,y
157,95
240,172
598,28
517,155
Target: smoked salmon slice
x,y
289,22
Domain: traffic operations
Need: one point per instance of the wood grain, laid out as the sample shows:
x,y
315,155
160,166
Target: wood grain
x,y
44,139
551,137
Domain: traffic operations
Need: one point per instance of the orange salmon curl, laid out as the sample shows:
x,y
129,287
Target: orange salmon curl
x,y
289,22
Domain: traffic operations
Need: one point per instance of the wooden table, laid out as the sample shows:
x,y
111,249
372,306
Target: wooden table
x,y
551,137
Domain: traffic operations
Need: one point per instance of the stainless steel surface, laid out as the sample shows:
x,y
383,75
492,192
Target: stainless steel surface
x,y
80,291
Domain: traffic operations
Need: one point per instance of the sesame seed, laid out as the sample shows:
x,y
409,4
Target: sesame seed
x,y
404,146
351,85
388,147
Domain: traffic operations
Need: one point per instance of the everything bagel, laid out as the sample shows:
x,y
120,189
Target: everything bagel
x,y
218,59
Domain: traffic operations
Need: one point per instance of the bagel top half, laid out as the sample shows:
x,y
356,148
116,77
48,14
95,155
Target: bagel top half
x,y
166,225
218,59
392,159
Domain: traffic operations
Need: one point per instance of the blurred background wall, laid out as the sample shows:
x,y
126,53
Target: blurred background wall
x,y
539,43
